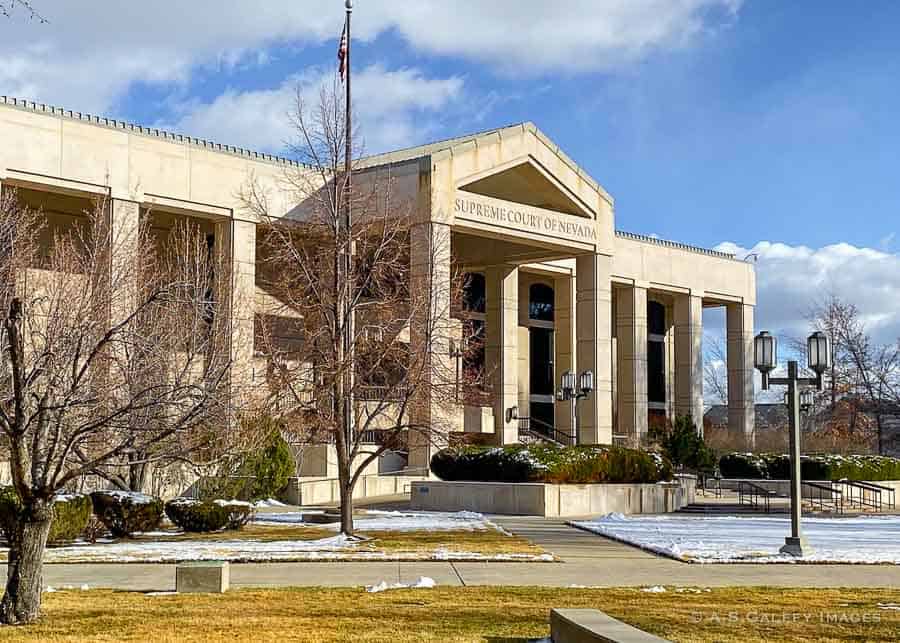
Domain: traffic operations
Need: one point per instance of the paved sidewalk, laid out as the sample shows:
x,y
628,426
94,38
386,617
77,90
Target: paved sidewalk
x,y
588,559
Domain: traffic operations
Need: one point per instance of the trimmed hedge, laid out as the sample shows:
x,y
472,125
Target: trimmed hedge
x,y
206,516
776,466
553,464
71,513
127,512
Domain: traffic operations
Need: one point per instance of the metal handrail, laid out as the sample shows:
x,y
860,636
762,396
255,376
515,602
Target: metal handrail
x,y
837,504
753,493
550,433
891,492
848,488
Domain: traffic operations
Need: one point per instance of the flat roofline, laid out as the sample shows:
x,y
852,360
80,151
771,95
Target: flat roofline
x,y
677,245
153,132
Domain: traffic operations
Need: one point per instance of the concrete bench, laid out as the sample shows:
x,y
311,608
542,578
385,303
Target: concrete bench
x,y
593,626
209,577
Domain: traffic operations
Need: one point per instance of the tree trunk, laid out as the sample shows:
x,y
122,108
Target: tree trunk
x,y
346,508
21,602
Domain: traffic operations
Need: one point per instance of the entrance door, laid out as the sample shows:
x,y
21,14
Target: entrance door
x,y
541,379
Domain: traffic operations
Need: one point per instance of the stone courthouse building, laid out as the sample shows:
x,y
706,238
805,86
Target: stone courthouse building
x,y
556,286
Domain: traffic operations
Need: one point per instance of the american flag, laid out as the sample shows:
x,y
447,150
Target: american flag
x,y
342,53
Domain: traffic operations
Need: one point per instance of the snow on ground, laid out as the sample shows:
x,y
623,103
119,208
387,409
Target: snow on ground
x,y
337,547
395,521
752,539
174,551
424,582
268,502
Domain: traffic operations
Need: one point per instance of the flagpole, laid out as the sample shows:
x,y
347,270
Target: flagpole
x,y
348,229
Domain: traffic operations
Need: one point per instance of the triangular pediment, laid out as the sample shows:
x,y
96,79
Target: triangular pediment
x,y
527,183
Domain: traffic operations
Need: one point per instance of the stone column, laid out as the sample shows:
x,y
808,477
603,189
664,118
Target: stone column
x,y
688,314
631,331
741,404
501,348
238,243
430,334
593,332
124,225
564,338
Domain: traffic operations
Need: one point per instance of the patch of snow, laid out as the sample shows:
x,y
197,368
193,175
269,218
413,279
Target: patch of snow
x,y
424,582
269,502
888,606
655,589
755,539
135,496
395,521
160,593
49,589
232,503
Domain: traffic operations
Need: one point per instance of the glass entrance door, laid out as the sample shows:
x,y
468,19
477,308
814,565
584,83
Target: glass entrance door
x,y
541,379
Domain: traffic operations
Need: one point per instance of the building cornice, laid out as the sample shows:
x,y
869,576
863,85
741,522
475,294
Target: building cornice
x,y
153,132
631,236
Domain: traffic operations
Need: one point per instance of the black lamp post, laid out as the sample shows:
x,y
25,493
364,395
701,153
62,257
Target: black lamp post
x,y
569,392
765,356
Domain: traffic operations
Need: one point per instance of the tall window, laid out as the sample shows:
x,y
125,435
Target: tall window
x,y
656,353
540,302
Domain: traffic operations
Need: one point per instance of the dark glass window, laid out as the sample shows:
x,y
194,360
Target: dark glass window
x,y
540,302
474,293
656,372
656,318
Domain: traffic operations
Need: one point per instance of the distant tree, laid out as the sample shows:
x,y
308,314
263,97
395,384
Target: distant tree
x,y
715,383
864,381
9,7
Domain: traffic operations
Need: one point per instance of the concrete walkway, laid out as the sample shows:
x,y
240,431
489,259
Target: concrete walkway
x,y
588,559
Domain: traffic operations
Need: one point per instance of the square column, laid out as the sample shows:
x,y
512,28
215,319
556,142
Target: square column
x,y
564,348
501,348
741,403
593,345
124,227
631,333
431,332
688,317
237,242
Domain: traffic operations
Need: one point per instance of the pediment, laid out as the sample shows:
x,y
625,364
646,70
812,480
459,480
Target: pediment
x,y
525,181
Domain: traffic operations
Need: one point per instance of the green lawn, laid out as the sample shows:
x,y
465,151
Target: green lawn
x,y
460,614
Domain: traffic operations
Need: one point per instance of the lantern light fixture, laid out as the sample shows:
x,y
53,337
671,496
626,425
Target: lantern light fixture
x,y
818,352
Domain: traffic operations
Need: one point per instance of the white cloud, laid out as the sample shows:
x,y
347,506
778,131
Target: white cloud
x,y
396,108
91,53
792,278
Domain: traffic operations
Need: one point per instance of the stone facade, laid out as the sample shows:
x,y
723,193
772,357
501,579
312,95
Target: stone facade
x,y
514,209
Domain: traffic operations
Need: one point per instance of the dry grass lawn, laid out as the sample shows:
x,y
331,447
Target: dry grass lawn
x,y
459,614
487,542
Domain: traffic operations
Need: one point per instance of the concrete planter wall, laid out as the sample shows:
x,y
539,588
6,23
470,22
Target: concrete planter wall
x,y
553,500
302,491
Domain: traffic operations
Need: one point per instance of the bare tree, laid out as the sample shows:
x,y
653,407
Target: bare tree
x,y
109,360
865,375
396,367
715,383
9,7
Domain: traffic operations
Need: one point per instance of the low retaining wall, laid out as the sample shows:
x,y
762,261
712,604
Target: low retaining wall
x,y
553,500
327,491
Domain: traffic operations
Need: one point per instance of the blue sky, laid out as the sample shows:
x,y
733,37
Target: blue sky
x,y
766,126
